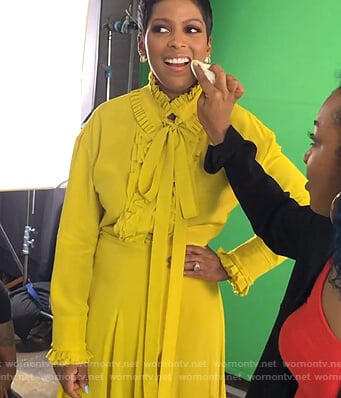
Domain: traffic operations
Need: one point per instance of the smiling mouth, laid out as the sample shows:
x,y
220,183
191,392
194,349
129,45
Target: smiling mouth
x,y
183,61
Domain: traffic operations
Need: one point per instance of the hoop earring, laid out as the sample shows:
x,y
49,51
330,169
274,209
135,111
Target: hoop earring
x,y
207,60
143,59
335,207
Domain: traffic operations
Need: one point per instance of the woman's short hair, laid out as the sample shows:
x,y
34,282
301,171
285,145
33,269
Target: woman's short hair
x,y
145,9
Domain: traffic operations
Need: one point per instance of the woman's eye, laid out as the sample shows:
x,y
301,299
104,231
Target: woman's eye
x,y
193,29
160,29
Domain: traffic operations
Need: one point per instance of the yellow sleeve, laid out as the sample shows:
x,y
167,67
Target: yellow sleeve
x,y
76,243
253,258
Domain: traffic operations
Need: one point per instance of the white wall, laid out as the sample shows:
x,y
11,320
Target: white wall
x,y
41,44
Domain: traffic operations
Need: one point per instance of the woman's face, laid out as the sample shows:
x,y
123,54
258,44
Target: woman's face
x,y
176,34
323,159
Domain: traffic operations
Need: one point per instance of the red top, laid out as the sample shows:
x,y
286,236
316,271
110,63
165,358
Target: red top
x,y
310,349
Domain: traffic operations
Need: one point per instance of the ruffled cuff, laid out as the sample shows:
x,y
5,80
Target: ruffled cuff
x,y
69,341
239,281
68,357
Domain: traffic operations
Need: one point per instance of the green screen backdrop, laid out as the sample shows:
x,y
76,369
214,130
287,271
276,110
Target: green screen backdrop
x,y
288,57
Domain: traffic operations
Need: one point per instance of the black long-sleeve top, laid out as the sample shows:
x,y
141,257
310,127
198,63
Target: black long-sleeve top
x,y
288,229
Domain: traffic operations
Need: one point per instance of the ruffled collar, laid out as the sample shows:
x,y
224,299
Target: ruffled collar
x,y
163,99
152,108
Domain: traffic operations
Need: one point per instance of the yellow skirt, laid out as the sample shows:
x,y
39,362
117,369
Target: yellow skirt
x,y
117,328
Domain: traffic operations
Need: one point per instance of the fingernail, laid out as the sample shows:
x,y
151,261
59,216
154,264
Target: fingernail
x,y
86,389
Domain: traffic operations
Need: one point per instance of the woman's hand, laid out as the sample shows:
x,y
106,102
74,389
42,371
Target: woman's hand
x,y
216,102
72,378
203,263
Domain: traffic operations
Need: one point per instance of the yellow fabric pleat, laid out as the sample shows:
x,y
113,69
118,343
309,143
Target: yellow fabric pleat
x,y
174,301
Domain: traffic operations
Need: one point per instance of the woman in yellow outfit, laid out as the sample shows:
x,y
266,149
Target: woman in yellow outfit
x,y
127,322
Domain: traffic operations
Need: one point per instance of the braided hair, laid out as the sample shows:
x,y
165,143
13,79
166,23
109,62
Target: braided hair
x,y
336,279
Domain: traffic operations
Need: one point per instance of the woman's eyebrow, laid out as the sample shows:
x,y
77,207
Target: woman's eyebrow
x,y
184,22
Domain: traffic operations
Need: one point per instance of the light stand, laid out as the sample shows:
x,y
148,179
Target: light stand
x,y
27,242
108,67
127,25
